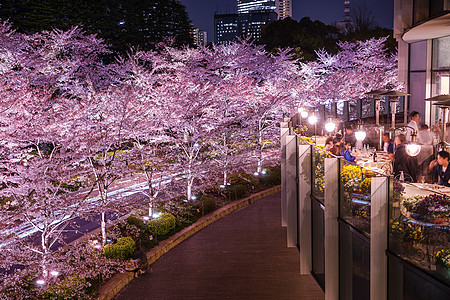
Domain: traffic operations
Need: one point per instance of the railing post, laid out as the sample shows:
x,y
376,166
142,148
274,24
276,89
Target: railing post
x,y
284,133
378,238
304,208
331,228
291,190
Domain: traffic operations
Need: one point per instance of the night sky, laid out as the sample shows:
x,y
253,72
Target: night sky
x,y
201,12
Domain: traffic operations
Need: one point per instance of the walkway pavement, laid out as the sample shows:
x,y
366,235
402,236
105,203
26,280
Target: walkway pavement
x,y
241,256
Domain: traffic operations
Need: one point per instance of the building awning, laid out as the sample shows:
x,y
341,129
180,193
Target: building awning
x,y
432,29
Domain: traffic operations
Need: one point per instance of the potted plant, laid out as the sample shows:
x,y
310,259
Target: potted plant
x,y
442,260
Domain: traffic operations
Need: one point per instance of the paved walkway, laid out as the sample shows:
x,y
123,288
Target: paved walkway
x,y
241,256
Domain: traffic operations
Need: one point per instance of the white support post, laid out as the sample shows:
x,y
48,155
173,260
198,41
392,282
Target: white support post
x,y
284,134
291,190
378,238
331,228
304,208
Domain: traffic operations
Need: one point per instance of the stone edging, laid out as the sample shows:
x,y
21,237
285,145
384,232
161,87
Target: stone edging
x,y
113,286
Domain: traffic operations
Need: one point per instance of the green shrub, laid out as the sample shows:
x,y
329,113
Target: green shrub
x,y
163,225
68,288
245,179
122,249
236,192
209,204
272,178
138,222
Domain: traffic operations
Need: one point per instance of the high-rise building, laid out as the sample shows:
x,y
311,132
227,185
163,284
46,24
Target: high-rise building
x,y
284,9
200,37
229,27
246,6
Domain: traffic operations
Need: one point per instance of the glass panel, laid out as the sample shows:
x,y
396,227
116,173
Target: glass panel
x,y
368,108
352,110
354,272
340,109
441,53
318,163
419,228
441,83
355,195
318,243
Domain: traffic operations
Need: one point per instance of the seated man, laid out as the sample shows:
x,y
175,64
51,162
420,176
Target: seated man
x,y
403,162
440,168
388,145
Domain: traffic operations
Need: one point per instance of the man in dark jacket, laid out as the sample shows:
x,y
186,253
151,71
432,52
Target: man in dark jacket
x,y
403,162
440,168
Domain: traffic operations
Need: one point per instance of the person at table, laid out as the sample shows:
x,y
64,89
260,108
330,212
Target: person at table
x,y
403,162
336,149
425,156
413,125
329,143
347,154
350,136
440,168
388,145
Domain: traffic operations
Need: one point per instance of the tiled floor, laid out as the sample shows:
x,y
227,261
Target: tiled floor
x,y
242,256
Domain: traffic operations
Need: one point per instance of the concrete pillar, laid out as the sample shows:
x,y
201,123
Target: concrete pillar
x,y
378,238
331,228
304,208
291,190
284,133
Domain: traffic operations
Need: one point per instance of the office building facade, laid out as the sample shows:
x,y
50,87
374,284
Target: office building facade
x,y
422,29
229,27
284,9
247,6
200,37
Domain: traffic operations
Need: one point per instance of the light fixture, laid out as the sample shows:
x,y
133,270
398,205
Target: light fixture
x,y
312,120
54,273
330,126
256,173
222,186
301,109
264,172
413,148
304,114
40,281
155,216
360,135
146,218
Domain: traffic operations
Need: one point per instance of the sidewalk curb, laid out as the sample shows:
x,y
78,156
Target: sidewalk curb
x,y
113,286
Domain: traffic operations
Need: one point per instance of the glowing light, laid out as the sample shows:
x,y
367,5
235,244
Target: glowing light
x,y
301,109
54,273
312,120
222,186
256,173
98,246
360,135
194,197
264,172
413,149
40,281
196,145
228,183
330,126
146,218
155,216
304,114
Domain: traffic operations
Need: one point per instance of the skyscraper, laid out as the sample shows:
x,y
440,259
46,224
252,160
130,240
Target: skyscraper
x,y
246,6
284,9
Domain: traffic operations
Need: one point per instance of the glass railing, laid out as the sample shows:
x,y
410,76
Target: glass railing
x,y
419,227
318,172
355,195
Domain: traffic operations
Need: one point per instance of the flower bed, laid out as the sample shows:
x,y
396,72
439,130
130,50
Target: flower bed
x,y
434,208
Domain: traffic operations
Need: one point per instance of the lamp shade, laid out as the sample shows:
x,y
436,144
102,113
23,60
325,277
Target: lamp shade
x,y
330,126
413,149
304,114
360,135
312,119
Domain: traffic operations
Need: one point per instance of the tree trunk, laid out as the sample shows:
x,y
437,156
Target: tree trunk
x,y
260,158
103,228
225,177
